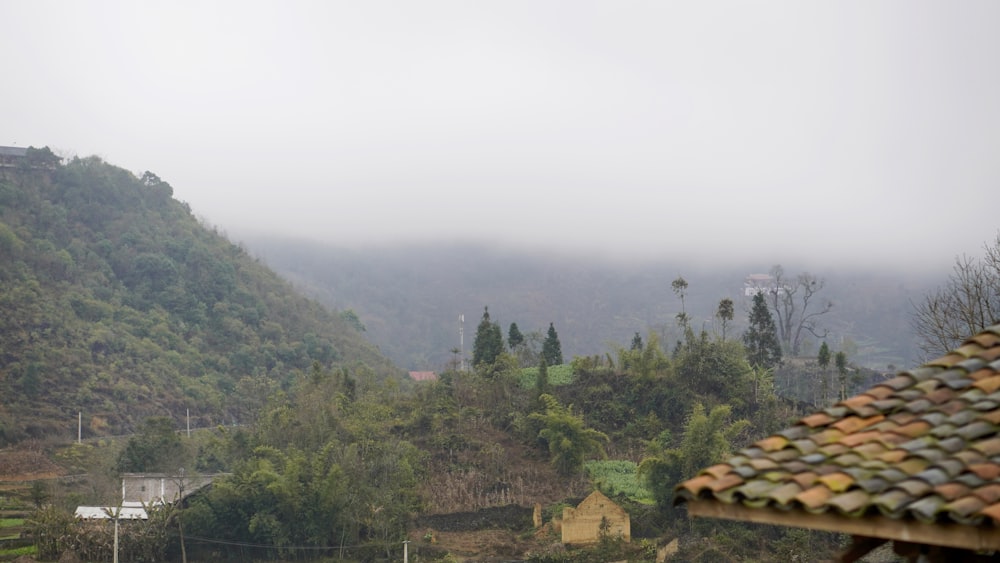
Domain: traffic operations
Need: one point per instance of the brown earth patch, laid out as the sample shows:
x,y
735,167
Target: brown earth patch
x,y
479,545
26,463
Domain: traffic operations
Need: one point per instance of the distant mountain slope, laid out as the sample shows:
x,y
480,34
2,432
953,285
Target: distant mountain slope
x,y
115,302
409,298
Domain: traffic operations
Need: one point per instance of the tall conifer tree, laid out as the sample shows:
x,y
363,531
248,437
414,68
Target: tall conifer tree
x,y
761,339
551,348
489,341
514,336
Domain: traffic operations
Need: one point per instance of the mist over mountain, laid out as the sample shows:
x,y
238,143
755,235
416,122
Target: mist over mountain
x,y
410,297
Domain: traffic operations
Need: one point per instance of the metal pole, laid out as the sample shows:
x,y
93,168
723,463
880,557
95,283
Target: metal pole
x,y
118,512
406,556
79,427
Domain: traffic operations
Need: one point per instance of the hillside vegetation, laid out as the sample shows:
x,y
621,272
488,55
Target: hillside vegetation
x,y
117,303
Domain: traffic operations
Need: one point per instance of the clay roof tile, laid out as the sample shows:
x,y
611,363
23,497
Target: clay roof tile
x,y
837,482
853,440
992,417
814,497
852,424
987,340
818,419
852,503
993,511
986,471
880,392
940,395
772,444
990,354
727,482
988,493
914,429
951,491
965,506
868,449
893,456
806,478
988,384
924,444
947,360
988,448
857,401
696,485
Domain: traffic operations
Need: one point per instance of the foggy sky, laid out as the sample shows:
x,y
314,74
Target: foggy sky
x,y
862,133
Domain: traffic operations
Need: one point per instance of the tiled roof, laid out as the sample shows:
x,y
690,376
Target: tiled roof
x,y
923,446
423,376
13,151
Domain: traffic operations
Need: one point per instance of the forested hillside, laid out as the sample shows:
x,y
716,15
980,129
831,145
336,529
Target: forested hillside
x,y
117,303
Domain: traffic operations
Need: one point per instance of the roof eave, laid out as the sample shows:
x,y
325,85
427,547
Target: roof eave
x,y
976,538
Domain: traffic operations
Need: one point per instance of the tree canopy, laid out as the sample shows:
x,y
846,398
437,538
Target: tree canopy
x,y
514,337
569,441
488,344
795,308
119,304
551,348
761,338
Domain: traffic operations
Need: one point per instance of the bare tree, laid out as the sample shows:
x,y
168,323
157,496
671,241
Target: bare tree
x,y
791,304
968,302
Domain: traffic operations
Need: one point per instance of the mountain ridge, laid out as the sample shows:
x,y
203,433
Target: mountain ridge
x,y
119,304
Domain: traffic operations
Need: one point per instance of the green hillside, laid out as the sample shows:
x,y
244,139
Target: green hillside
x,y
117,303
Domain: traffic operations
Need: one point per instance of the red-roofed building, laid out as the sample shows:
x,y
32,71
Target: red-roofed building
x,y
423,376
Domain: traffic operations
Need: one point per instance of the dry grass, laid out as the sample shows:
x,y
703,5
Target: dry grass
x,y
26,462
499,472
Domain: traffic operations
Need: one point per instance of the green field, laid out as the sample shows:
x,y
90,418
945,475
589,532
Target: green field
x,y
615,477
558,375
19,551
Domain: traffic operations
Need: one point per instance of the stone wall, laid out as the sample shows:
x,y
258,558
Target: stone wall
x,y
151,487
582,525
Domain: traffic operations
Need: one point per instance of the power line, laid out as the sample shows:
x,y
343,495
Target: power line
x,y
197,539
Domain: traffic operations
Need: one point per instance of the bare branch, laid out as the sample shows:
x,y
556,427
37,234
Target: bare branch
x,y
792,313
968,302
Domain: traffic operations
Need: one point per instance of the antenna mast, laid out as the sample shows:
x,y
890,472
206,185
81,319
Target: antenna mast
x,y
461,340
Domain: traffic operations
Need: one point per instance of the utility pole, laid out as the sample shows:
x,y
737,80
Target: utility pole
x,y
118,513
406,555
177,507
79,427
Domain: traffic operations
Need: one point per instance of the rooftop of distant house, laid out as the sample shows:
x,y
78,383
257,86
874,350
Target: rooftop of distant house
x,y
13,151
423,376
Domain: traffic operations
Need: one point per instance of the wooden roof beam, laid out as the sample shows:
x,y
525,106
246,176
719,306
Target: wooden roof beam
x,y
974,538
860,546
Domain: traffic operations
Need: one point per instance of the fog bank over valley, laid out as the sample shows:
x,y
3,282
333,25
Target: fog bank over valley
x,y
854,135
